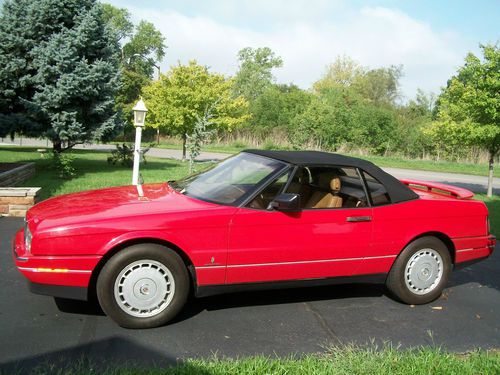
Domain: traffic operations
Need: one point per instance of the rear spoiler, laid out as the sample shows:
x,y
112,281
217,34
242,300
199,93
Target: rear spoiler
x,y
438,188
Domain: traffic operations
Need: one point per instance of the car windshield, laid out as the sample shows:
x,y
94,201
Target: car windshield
x,y
230,181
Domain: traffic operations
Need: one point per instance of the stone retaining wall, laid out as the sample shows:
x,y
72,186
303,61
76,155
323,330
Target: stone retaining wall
x,y
15,176
16,201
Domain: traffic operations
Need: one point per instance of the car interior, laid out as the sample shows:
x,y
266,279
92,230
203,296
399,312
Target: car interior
x,y
323,187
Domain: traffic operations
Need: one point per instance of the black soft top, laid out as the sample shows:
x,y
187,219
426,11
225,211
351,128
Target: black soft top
x,y
397,191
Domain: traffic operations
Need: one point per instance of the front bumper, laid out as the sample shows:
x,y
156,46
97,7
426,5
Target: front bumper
x,y
54,275
62,291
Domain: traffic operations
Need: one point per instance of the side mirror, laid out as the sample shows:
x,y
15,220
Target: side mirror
x,y
286,202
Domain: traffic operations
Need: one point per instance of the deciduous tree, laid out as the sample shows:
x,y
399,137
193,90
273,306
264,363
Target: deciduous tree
x,y
341,73
276,107
471,103
182,96
255,71
142,49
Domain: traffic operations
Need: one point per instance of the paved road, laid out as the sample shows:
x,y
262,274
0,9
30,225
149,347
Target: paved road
x,y
34,330
477,184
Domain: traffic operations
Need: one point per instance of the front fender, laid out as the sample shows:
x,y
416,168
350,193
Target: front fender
x,y
165,236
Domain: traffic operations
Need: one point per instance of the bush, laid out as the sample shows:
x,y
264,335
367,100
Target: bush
x,y
64,165
124,154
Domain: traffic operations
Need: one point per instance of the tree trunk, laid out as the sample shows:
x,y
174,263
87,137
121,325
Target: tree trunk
x,y
184,140
158,136
490,175
57,146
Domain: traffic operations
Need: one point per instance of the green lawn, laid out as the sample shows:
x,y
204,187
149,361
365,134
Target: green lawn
x,y
493,204
347,360
382,161
93,171
428,165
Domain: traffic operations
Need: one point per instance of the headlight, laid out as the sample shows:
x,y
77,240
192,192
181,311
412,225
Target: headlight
x,y
27,237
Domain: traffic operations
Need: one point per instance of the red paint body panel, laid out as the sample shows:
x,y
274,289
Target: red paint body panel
x,y
100,220
273,245
439,188
54,270
227,244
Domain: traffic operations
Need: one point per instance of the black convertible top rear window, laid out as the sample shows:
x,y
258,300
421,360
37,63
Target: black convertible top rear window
x,y
397,191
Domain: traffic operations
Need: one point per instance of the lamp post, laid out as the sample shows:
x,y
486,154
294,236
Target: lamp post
x,y
140,111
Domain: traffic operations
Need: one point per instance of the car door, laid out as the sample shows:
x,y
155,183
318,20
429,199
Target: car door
x,y
317,241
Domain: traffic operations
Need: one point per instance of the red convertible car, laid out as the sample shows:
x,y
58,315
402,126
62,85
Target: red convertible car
x,y
258,219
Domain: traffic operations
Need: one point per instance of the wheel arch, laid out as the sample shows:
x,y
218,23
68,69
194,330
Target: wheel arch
x,y
135,241
442,237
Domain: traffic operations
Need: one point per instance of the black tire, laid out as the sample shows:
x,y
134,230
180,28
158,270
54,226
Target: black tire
x,y
165,264
401,285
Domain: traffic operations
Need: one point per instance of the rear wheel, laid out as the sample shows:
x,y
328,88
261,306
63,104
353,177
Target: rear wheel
x,y
143,286
421,271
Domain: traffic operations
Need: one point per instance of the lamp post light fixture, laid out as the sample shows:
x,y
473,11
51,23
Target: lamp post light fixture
x,y
140,111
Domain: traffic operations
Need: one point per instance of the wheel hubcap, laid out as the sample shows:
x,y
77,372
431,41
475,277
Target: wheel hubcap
x,y
424,271
144,288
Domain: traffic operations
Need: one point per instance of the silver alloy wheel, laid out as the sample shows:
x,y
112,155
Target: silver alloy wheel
x,y
424,271
144,288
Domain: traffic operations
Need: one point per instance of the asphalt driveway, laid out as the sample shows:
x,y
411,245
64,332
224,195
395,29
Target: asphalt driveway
x,y
34,330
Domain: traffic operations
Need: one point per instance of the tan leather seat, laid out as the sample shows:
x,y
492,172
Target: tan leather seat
x,y
325,199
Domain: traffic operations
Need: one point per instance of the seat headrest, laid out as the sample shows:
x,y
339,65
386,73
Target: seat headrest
x,y
303,176
335,184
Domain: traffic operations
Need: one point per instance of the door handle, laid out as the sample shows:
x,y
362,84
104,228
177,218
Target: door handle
x,y
355,219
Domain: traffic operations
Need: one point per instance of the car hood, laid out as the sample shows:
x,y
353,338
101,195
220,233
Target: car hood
x,y
110,203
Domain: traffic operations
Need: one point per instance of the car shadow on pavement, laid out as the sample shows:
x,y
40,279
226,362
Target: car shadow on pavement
x,y
194,306
277,297
72,306
484,273
94,357
468,275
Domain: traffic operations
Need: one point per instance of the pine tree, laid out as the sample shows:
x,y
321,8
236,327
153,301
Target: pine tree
x,y
58,71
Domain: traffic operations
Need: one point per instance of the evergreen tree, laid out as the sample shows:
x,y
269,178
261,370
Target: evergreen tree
x,y
58,71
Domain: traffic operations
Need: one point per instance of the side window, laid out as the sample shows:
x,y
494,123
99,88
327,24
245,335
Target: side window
x,y
262,200
328,187
377,191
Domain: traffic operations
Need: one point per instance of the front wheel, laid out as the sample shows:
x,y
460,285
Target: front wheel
x,y
143,286
420,272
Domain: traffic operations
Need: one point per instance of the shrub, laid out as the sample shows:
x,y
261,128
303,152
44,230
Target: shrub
x,y
124,154
64,165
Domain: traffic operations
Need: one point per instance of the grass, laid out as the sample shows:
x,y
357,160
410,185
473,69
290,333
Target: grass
x,y
493,204
335,361
428,165
476,169
225,149
93,171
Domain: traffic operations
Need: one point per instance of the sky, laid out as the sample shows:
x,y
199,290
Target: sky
x,y
430,38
